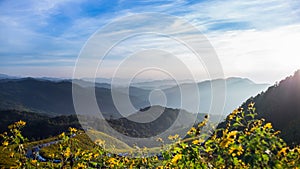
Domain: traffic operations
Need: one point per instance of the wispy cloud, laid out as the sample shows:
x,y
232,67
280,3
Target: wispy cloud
x,y
51,33
239,14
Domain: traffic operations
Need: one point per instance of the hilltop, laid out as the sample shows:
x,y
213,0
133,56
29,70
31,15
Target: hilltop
x,y
280,106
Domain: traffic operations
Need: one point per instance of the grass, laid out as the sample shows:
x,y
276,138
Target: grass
x,y
84,141
111,144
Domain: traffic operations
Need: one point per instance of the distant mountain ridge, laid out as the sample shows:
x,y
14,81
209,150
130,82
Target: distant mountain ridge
x,y
55,97
237,90
4,76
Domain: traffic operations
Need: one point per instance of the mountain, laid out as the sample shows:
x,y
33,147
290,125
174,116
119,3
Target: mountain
x,y
116,81
55,98
38,126
237,91
159,84
280,105
51,79
4,76
35,95
84,83
152,121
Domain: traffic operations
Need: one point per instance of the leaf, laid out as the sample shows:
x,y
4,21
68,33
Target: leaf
x,y
251,115
265,157
235,124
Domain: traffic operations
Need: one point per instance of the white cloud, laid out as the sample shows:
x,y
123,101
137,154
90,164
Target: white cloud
x,y
267,55
264,46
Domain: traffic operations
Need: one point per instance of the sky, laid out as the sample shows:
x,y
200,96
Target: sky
x,y
253,39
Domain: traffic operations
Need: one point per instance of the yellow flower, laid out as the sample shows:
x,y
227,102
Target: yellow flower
x,y
253,129
96,155
5,143
144,160
283,151
231,150
112,160
16,131
11,126
268,126
236,150
67,153
259,122
176,158
132,165
232,134
126,160
203,123
81,165
12,155
33,161
225,142
72,130
173,137
225,132
62,135
231,116
21,123
297,150
251,105
196,141
276,133
191,131
77,153
228,139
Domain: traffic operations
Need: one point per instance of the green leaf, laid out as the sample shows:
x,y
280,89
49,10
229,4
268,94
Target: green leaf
x,y
235,124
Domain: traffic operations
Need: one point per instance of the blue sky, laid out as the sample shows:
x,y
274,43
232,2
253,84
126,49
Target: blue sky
x,y
255,39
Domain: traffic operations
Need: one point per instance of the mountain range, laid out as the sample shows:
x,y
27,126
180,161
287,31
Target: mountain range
x,y
55,97
52,104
